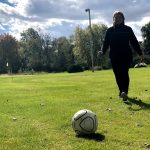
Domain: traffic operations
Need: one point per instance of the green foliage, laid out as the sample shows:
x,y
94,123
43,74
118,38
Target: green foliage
x,y
42,53
98,31
32,45
82,49
9,58
136,60
82,46
75,68
146,36
63,54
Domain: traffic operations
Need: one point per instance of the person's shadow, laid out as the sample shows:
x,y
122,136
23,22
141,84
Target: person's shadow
x,y
94,136
142,105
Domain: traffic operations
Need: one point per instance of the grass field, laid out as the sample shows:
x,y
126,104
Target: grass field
x,y
36,111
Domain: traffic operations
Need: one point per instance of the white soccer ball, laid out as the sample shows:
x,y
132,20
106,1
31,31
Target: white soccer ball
x,y
84,122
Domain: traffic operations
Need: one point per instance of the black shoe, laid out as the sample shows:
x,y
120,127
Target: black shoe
x,y
124,96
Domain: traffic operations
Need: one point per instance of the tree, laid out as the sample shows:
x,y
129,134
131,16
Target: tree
x,y
63,53
47,52
82,43
146,38
98,31
42,53
82,47
9,58
31,43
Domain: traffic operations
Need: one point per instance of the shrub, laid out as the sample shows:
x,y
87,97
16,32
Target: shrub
x,y
136,60
75,68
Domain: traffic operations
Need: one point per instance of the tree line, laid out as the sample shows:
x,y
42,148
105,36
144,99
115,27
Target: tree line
x,y
37,51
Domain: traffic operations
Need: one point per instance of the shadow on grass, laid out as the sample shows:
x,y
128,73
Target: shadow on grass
x,y
139,103
95,136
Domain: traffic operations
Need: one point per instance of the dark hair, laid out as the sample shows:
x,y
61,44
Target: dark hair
x,y
120,13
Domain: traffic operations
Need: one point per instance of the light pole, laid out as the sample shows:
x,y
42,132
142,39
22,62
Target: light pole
x,y
91,39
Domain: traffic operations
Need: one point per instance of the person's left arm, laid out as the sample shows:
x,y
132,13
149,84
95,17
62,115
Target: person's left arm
x,y
135,44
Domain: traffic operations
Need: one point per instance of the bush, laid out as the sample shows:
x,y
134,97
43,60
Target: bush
x,y
75,68
136,60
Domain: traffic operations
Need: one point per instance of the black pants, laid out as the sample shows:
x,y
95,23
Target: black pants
x,y
121,69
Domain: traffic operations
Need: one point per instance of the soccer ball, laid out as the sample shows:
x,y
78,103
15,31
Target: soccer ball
x,y
84,122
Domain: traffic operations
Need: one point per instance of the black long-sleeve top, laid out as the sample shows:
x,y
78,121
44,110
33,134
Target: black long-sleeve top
x,y
119,39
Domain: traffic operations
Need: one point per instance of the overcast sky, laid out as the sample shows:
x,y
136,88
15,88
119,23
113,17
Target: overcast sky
x,y
60,17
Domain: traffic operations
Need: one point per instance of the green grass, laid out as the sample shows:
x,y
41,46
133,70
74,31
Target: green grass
x,y
44,104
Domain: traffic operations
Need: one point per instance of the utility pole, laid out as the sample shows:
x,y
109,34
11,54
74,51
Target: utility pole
x,y
91,39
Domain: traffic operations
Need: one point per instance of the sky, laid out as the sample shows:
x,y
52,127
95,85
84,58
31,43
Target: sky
x,y
61,17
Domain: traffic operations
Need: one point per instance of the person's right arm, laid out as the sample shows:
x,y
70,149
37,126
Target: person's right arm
x,y
106,42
